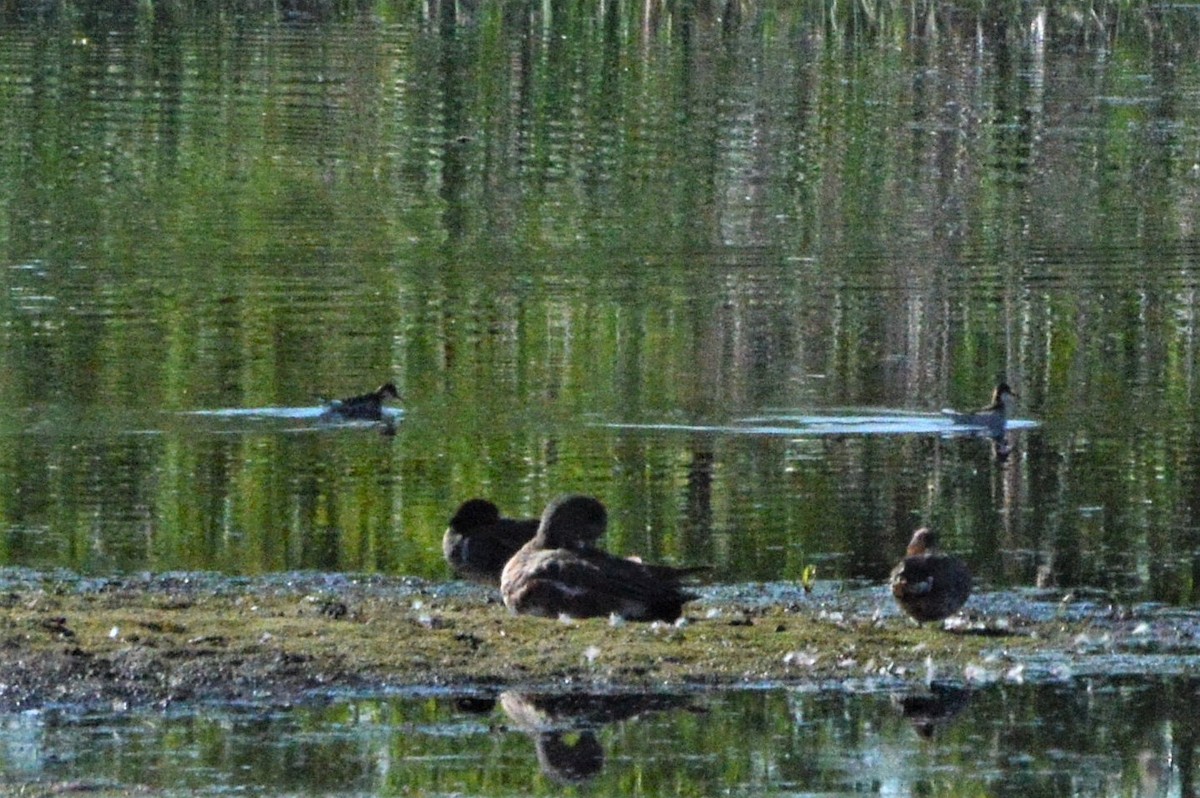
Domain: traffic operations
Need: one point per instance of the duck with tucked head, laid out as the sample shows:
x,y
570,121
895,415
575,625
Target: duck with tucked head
x,y
479,541
558,572
364,407
993,417
927,584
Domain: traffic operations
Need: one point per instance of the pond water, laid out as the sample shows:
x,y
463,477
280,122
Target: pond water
x,y
1088,738
721,268
593,248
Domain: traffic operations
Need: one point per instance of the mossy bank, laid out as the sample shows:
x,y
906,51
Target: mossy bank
x,y
182,638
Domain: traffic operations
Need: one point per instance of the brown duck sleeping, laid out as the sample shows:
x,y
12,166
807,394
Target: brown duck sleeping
x,y
558,572
930,586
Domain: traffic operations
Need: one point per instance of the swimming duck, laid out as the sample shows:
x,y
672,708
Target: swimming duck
x,y
557,573
993,417
930,586
479,541
364,407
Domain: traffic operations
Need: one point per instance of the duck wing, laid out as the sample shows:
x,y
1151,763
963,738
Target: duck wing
x,y
931,587
633,569
587,584
635,578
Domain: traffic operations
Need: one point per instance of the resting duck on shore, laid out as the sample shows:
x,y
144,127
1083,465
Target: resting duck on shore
x,y
479,541
993,417
364,407
928,585
558,572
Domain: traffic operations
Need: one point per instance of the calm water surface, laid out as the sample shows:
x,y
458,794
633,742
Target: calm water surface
x,y
648,255
1092,738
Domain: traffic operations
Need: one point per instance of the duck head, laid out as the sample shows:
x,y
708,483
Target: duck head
x,y
387,390
1003,397
571,520
475,513
923,541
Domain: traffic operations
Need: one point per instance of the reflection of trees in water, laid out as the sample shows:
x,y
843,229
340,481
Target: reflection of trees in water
x,y
772,235
563,725
1170,731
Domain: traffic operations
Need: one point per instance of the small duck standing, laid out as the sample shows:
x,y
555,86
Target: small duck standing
x,y
364,407
558,572
479,541
993,417
928,585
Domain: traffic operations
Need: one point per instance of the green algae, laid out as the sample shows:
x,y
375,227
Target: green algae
x,y
166,640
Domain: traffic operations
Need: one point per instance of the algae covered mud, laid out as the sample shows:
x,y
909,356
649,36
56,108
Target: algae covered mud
x,y
185,684
170,639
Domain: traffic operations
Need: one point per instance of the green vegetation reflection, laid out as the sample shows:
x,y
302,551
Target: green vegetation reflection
x,y
535,217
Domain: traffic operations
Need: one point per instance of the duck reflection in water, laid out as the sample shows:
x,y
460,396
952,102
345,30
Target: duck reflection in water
x,y
927,584
563,726
1002,447
557,573
475,704
932,711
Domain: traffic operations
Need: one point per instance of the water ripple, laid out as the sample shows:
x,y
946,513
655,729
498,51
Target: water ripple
x,y
814,425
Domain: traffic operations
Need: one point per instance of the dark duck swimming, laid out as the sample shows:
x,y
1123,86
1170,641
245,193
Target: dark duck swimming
x,y
993,417
558,572
927,584
364,407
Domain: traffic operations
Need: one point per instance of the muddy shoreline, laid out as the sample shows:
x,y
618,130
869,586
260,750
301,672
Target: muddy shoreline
x,y
157,641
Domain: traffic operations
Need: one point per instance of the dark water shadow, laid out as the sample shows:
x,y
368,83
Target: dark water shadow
x,y
932,710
